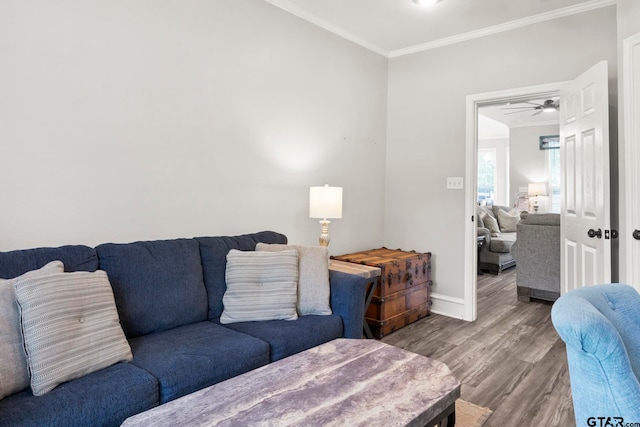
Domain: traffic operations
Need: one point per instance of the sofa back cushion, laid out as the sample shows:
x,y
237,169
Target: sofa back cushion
x,y
214,250
157,285
74,258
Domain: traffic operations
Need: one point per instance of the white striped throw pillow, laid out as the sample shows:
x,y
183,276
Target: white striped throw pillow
x,y
70,326
260,286
314,291
14,371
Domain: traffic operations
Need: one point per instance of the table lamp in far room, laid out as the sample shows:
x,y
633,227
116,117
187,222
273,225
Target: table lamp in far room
x,y
325,202
536,189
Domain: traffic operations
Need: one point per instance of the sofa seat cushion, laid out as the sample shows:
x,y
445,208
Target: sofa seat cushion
x,y
192,357
103,398
503,243
214,250
290,337
157,285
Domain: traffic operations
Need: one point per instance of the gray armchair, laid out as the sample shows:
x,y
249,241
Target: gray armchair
x,y
537,254
495,255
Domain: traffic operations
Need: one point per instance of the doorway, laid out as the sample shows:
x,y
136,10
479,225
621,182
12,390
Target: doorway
x,y
512,161
474,104
585,220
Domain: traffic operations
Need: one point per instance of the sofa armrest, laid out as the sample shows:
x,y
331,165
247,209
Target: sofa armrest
x,y
347,300
482,231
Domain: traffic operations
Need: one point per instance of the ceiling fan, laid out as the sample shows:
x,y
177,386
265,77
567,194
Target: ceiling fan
x,y
549,105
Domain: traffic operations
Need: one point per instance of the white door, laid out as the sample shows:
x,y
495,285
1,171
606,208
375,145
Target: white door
x,y
584,149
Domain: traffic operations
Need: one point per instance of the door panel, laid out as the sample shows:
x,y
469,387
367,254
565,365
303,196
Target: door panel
x,y
570,175
589,173
570,274
584,150
589,265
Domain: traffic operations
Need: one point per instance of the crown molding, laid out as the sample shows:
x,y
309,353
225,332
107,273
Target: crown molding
x,y
511,25
310,17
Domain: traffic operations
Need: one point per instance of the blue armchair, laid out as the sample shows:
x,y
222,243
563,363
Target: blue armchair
x,y
601,328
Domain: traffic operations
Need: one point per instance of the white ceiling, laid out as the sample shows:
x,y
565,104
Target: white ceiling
x,y
397,27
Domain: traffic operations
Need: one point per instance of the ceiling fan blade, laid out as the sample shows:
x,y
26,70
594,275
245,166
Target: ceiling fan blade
x,y
517,108
536,113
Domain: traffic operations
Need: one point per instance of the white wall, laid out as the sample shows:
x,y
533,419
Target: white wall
x,y
528,162
158,119
426,125
501,145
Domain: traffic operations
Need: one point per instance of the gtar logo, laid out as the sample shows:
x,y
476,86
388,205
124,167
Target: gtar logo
x,y
605,422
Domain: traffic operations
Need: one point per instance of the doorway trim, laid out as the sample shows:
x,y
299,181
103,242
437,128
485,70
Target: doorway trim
x,y
473,103
629,272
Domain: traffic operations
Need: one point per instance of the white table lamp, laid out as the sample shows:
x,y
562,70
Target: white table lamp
x,y
536,189
325,202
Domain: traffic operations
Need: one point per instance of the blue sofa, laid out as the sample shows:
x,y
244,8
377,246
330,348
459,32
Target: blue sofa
x,y
168,295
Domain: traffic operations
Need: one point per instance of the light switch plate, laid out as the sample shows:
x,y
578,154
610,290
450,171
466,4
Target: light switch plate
x,y
455,183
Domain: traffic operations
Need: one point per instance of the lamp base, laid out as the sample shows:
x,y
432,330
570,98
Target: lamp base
x,y
324,233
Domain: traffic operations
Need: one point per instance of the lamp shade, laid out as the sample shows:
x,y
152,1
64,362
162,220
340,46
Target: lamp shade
x,y
325,202
537,189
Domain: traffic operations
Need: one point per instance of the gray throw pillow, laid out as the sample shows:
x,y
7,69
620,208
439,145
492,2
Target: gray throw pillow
x,y
492,224
313,284
260,286
508,221
14,371
70,325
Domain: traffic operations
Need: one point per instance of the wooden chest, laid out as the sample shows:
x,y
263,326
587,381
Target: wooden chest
x,y
403,294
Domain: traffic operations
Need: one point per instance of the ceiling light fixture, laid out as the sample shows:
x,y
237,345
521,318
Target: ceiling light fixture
x,y
426,2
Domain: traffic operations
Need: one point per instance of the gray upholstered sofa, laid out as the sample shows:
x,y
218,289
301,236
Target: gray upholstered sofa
x,y
495,253
537,253
169,300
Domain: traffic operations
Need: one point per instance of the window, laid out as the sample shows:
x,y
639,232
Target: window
x,y
553,175
486,175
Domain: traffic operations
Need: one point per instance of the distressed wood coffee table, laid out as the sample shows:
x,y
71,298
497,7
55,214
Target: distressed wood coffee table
x,y
344,382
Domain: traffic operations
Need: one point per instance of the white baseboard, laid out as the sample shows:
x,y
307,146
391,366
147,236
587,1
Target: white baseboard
x,y
447,306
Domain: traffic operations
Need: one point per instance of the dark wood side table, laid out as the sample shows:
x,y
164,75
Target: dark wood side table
x,y
481,243
369,273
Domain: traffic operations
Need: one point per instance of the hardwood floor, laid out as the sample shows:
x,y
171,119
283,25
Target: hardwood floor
x,y
510,359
